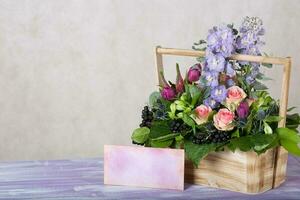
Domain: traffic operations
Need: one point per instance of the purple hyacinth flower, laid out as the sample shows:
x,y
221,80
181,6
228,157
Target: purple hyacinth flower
x,y
219,93
243,110
211,78
250,79
229,70
216,63
211,103
230,83
220,40
213,40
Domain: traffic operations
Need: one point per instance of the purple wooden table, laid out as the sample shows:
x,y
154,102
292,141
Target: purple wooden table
x,y
83,179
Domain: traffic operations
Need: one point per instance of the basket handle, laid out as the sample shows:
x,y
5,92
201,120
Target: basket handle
x,y
280,155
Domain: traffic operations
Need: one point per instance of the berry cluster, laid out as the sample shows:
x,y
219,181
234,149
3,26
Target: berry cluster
x,y
147,117
178,126
218,137
200,138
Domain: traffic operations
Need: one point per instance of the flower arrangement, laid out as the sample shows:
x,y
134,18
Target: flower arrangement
x,y
220,103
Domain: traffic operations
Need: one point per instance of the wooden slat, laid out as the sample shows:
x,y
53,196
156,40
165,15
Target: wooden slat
x,y
240,57
281,155
158,64
244,172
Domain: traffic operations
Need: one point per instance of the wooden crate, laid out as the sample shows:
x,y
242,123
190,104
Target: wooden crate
x,y
240,171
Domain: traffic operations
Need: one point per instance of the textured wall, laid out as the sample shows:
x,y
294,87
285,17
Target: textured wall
x,y
74,74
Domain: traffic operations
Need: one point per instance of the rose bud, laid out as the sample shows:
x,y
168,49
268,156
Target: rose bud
x,y
179,81
223,120
243,110
168,93
202,113
194,73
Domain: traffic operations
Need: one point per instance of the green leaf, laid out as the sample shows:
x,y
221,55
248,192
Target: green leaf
x,y
153,98
195,152
267,128
236,134
195,93
188,120
259,86
288,134
161,144
258,143
241,143
290,109
200,59
140,135
166,137
272,119
261,76
159,128
267,65
290,146
173,107
262,142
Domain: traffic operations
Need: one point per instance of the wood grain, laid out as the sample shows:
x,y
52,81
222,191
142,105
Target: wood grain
x,y
239,171
82,179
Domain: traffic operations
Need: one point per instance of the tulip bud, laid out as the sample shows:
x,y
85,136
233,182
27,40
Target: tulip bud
x,y
164,82
194,73
243,110
168,93
179,81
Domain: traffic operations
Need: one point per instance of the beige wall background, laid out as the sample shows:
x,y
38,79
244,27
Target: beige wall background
x,y
74,75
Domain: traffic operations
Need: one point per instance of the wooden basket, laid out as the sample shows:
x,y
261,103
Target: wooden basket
x,y
244,172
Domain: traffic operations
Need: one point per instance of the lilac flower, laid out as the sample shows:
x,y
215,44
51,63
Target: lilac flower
x,y
230,82
250,79
253,24
220,41
211,78
213,40
247,39
211,103
216,63
229,70
243,110
251,49
219,93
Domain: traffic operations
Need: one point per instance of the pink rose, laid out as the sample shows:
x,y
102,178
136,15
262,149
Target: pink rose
x,y
202,113
223,120
235,95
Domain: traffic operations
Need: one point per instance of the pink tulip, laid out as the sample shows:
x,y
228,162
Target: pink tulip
x,y
194,73
179,81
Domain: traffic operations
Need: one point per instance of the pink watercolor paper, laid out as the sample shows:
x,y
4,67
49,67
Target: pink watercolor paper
x,y
144,167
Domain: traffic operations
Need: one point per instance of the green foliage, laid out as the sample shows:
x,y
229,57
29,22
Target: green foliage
x,y
259,86
289,139
161,144
258,143
153,98
196,152
293,121
159,128
140,135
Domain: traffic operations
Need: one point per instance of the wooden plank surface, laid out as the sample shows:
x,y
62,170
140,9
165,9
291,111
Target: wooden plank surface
x,y
83,179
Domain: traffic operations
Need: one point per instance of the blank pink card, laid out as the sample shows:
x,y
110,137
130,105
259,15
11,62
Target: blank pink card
x,y
144,167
